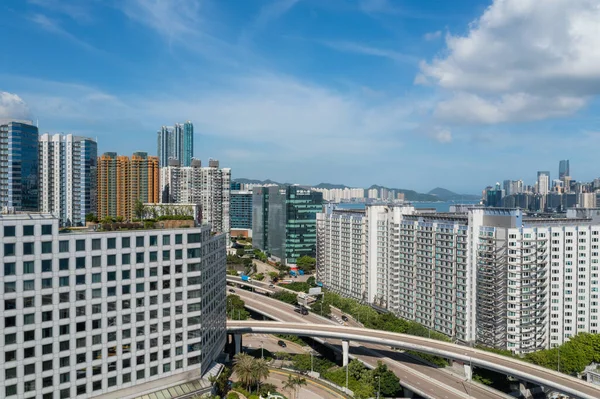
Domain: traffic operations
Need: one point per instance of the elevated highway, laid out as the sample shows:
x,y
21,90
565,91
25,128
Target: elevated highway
x,y
422,379
506,365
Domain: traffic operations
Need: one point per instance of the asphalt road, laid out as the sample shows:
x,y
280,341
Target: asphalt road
x,y
431,381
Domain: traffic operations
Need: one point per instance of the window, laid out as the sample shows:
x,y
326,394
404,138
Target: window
x,y
10,339
10,356
63,281
28,285
10,287
9,249
140,374
28,248
10,373
80,245
193,267
166,240
166,255
193,238
96,278
111,243
125,259
139,273
46,229
47,265
80,262
46,283
29,302
96,244
153,256
27,231
9,231
10,390
139,257
139,241
126,242
29,369
10,304
125,275
126,378
63,246
193,253
47,349
111,260
10,270
79,280
65,377
46,247
96,261
111,276
153,241
178,238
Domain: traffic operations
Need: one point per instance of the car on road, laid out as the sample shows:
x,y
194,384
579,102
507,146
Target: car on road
x,y
231,290
344,317
271,285
282,344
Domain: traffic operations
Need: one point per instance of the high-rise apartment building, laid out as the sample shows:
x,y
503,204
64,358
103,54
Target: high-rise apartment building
x,y
91,313
19,163
240,210
543,182
563,169
176,142
491,276
284,221
68,179
208,186
123,181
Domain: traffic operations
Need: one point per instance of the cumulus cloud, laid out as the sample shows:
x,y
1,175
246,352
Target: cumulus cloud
x,y
13,107
521,60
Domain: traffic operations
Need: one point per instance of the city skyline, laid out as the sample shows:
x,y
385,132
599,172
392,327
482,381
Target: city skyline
x,y
387,85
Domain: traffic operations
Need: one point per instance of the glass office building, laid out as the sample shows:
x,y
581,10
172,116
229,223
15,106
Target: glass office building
x,y
284,221
240,210
19,159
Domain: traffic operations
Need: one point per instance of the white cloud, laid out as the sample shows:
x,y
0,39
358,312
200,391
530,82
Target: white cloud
x,y
521,60
350,47
433,35
54,27
13,107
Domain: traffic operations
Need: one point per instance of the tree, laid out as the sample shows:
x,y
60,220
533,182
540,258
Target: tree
x,y
119,219
306,263
90,217
294,383
139,210
240,252
266,389
311,281
274,276
260,370
390,384
243,366
236,308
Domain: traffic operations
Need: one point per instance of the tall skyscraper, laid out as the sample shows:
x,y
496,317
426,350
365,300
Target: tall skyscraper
x,y
240,210
208,186
284,221
122,181
98,314
563,169
68,177
176,142
19,162
543,182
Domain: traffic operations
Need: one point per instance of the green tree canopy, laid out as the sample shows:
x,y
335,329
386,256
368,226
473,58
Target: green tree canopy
x,y
306,263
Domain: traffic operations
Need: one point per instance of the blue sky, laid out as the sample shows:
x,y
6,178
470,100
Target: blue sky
x,y
403,93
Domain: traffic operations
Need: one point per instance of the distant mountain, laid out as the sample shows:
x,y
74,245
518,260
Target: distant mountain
x,y
242,180
447,195
409,195
329,186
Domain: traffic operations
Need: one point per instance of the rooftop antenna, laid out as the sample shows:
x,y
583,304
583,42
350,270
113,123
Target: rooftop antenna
x,y
37,123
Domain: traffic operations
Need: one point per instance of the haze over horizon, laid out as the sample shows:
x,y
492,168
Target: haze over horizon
x,y
413,94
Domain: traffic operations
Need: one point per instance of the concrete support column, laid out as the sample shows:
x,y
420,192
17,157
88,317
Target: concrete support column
x,y
524,390
237,343
407,393
468,372
345,351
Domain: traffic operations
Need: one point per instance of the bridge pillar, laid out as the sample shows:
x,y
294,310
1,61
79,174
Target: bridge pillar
x,y
237,338
407,393
345,351
468,372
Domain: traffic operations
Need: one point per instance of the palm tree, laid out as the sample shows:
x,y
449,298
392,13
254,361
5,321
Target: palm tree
x,y
293,383
243,366
260,371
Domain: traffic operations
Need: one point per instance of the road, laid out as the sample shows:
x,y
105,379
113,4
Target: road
x,y
536,374
431,382
269,342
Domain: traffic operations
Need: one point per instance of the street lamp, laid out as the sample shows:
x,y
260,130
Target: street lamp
x,y
311,361
261,350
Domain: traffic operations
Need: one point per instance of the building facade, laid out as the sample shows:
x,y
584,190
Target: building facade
x,y
490,276
176,142
208,186
91,313
284,221
123,181
68,177
240,210
341,253
19,163
563,169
